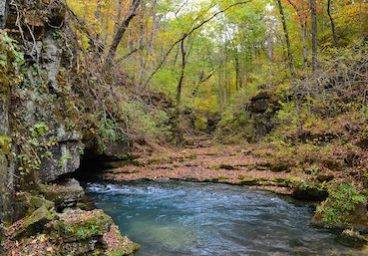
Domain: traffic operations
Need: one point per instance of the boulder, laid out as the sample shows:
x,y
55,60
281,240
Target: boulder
x,y
352,238
260,102
262,109
65,194
32,224
74,233
25,204
79,225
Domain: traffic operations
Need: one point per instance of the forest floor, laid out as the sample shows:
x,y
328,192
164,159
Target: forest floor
x,y
206,162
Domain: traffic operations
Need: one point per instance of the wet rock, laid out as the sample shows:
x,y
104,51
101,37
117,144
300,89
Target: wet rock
x,y
310,191
249,181
352,238
64,195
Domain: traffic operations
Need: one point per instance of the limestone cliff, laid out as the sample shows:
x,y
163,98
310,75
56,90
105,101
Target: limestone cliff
x,y
42,138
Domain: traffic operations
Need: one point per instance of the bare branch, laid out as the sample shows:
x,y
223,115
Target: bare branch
x,y
185,35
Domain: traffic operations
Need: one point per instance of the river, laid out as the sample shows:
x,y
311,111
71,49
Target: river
x,y
181,218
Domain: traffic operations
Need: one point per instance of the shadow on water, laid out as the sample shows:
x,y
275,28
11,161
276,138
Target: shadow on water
x,y
177,218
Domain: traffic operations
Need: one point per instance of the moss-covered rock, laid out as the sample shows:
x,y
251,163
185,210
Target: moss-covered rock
x,y
352,238
33,224
289,182
118,245
74,233
79,248
77,225
65,194
251,181
310,190
25,204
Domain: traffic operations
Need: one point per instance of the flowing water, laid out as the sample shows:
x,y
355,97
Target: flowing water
x,y
177,218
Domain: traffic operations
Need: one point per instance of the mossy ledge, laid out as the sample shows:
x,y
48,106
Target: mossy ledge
x,y
72,232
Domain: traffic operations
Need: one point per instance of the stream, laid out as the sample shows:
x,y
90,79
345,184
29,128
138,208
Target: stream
x,y
177,218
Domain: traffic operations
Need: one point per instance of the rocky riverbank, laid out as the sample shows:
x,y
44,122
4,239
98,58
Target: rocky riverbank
x,y
257,167
237,165
56,220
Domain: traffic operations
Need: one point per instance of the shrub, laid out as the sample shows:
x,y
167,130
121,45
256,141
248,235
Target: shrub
x,y
338,208
11,61
144,121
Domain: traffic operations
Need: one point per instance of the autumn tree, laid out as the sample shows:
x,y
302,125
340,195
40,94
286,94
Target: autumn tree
x,y
122,29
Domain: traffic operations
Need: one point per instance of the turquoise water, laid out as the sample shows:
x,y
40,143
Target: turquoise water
x,y
176,218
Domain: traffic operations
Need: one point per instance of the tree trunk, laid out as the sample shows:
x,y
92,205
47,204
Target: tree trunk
x,y
304,40
98,17
313,7
122,29
303,28
141,42
361,19
287,39
332,24
118,15
239,82
182,75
